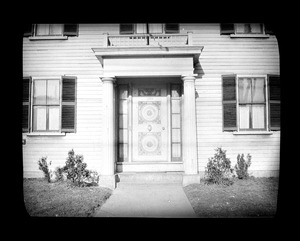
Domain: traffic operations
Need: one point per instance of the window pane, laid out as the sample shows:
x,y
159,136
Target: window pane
x,y
53,92
155,28
123,121
244,90
123,107
244,117
54,118
175,135
175,121
56,29
42,29
175,106
176,150
141,28
256,28
39,90
39,118
123,136
258,91
123,152
258,116
240,28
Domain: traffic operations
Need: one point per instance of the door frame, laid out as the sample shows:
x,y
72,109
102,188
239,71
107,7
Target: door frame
x,y
133,81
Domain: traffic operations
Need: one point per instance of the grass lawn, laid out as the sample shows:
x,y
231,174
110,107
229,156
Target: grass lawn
x,y
62,199
255,197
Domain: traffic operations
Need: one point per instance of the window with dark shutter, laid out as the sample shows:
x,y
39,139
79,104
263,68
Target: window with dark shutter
x,y
26,104
68,110
171,28
127,28
71,29
274,101
227,28
27,30
229,102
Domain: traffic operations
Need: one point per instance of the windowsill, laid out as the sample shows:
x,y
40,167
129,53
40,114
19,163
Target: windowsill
x,y
48,38
46,134
249,35
252,133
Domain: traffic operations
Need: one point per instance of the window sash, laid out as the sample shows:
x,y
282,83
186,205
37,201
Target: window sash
x,y
249,28
48,105
49,30
154,28
249,107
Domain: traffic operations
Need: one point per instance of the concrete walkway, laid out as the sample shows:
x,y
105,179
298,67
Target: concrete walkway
x,y
159,200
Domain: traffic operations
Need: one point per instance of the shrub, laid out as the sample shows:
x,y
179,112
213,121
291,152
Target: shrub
x,y
44,167
218,168
76,171
241,168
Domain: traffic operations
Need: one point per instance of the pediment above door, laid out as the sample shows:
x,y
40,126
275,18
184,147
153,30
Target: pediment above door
x,y
148,61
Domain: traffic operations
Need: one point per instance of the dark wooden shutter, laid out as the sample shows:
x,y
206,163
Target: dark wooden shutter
x,y
27,30
126,28
229,102
268,29
26,104
171,28
274,101
71,29
68,107
227,28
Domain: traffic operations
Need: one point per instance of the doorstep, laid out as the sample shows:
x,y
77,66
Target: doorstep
x,y
135,178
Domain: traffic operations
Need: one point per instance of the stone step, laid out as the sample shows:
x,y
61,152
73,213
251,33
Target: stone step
x,y
149,178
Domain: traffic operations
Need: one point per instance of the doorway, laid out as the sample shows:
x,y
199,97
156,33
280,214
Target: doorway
x,y
149,120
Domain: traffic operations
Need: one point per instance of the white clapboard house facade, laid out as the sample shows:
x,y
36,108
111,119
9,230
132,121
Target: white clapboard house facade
x,y
159,98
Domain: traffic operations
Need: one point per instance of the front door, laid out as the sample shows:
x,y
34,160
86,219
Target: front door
x,y
149,123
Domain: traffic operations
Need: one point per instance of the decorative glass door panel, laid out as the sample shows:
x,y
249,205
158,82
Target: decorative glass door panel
x,y
149,123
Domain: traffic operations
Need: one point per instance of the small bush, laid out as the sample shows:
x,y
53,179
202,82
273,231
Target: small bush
x,y
218,169
241,168
44,167
76,171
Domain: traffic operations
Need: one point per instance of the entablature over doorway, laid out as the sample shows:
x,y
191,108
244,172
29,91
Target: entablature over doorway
x,y
149,61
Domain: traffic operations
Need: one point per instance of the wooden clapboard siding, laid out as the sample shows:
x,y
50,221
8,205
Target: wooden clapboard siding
x,y
225,55
72,57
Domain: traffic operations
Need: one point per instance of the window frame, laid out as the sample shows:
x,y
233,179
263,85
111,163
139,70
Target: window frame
x,y
49,27
134,31
266,105
251,33
66,32
47,114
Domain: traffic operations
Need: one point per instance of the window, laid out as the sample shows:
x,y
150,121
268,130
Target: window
x,y
49,30
143,28
246,29
36,31
249,28
46,105
251,103
49,105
